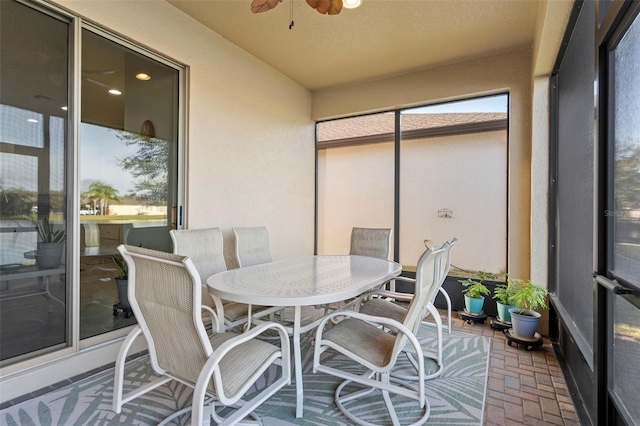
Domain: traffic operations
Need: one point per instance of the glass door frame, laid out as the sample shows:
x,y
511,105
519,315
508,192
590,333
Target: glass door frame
x,y
613,26
181,164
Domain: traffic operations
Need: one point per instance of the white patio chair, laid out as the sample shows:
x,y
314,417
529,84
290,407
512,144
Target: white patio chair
x,y
206,250
371,242
365,339
384,306
252,246
165,294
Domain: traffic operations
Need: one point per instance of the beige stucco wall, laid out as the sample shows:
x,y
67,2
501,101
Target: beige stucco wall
x,y
540,182
250,136
355,188
464,173
500,73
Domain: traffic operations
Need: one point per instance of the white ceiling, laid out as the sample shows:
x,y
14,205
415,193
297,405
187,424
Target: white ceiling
x,y
378,39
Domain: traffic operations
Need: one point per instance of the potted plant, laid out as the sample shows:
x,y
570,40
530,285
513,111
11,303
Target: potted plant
x,y
503,293
474,292
122,279
527,297
51,244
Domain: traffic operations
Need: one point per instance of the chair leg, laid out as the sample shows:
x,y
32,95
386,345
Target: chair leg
x,y
385,379
118,398
255,420
438,352
448,300
118,379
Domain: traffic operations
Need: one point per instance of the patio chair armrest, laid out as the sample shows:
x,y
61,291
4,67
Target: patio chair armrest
x,y
403,297
216,326
405,279
211,366
252,333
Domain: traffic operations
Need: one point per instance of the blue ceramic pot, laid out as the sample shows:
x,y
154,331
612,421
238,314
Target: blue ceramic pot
x,y
503,312
524,322
473,305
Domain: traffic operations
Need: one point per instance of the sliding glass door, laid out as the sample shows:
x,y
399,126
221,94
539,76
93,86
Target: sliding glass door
x,y
34,144
128,171
121,187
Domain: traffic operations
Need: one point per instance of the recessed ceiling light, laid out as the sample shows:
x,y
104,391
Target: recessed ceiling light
x,y
351,4
64,108
115,92
143,76
32,120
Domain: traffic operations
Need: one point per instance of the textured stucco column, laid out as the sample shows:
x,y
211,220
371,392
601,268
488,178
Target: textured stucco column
x,y
540,190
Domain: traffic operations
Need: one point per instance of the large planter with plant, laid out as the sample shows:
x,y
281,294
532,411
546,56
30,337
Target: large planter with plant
x,y
503,294
474,292
527,297
51,244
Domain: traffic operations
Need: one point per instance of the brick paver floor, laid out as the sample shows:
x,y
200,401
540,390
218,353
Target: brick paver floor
x,y
525,387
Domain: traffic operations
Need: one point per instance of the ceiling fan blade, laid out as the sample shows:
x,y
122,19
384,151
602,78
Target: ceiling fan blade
x,y
321,6
258,6
332,7
96,82
335,7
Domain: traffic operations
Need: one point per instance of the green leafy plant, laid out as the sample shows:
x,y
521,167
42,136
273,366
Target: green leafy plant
x,y
474,287
123,270
46,232
504,292
527,295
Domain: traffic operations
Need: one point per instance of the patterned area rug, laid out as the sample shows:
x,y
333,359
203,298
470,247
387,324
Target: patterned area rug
x,y
456,397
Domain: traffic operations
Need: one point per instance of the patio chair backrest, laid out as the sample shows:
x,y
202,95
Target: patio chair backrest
x,y
428,280
252,246
446,258
372,242
205,249
165,296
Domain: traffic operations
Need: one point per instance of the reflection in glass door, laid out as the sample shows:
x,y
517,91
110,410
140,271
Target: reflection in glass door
x,y
128,172
34,314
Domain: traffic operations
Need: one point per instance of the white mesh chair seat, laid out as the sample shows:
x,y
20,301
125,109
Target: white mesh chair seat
x,y
242,362
360,339
363,338
165,295
383,308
